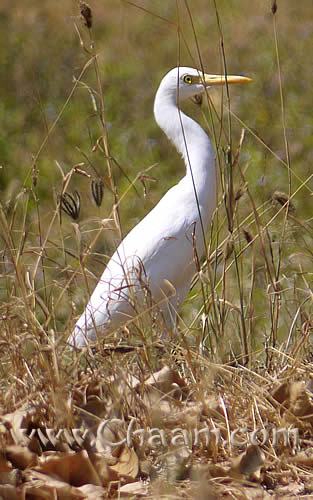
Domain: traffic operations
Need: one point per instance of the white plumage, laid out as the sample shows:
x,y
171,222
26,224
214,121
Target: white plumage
x,y
160,249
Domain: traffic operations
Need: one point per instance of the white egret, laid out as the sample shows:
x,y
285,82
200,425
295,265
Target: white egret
x,y
159,253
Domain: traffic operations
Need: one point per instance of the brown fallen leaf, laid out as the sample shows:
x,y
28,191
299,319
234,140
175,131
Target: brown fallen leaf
x,y
128,463
96,406
12,477
300,402
309,385
73,468
138,489
202,472
34,445
217,470
282,392
147,469
167,381
92,492
171,413
212,408
293,489
41,486
249,463
8,492
103,467
93,410
20,421
5,465
20,456
158,407
309,487
250,492
94,388
303,459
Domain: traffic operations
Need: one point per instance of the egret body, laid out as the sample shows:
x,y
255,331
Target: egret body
x,y
159,253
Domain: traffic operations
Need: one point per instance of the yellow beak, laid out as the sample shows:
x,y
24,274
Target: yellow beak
x,y
211,80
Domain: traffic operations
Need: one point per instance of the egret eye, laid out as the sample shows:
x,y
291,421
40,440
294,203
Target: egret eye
x,y
187,79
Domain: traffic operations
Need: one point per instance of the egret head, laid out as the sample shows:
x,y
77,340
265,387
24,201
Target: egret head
x,y
183,82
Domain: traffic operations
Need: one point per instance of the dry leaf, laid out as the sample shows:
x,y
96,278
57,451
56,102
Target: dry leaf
x,y
73,468
34,445
201,472
20,421
147,468
94,388
102,466
159,393
20,456
292,489
137,489
248,493
282,392
217,470
158,407
92,492
212,408
12,477
167,381
128,463
300,402
8,492
41,486
303,459
5,465
93,410
189,417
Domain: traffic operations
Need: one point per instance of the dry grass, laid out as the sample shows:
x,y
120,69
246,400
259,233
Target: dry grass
x,y
243,355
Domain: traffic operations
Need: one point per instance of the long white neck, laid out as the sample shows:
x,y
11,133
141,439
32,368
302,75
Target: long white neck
x,y
191,142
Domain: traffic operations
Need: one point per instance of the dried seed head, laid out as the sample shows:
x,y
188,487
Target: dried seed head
x,y
86,14
240,192
35,173
229,248
143,178
97,191
274,7
80,171
283,199
247,235
228,156
70,204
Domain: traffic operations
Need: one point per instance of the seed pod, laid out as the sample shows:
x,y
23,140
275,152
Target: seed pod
x,y
240,192
228,156
35,173
248,236
70,204
274,7
283,199
228,249
86,14
97,191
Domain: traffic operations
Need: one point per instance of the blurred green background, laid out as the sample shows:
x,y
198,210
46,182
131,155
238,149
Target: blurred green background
x,y
137,43
40,55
